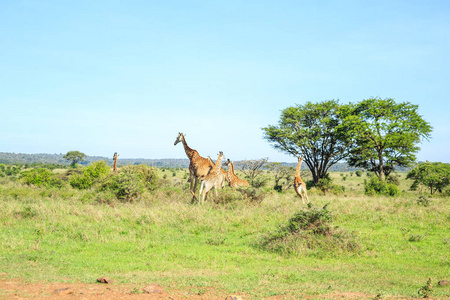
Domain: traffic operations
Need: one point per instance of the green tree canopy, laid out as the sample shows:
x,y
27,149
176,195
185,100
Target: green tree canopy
x,y
385,135
435,176
75,157
314,131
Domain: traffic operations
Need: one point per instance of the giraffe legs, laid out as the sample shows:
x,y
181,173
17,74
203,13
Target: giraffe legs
x,y
193,186
302,193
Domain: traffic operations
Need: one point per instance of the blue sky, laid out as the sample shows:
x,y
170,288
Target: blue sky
x,y
126,76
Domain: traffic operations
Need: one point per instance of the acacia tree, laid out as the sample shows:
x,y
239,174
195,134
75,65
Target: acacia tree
x,y
385,135
435,176
75,157
315,131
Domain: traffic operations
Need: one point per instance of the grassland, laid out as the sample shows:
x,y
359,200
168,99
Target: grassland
x,y
63,235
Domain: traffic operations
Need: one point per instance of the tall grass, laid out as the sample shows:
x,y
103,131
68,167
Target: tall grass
x,y
67,235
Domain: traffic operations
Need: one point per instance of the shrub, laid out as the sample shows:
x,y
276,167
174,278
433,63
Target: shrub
x,y
41,177
313,219
310,232
91,175
131,182
394,179
326,185
423,200
377,187
358,173
81,181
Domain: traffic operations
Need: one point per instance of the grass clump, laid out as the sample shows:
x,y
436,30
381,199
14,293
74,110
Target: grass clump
x,y
310,232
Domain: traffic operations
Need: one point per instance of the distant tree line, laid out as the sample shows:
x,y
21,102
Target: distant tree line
x,y
58,159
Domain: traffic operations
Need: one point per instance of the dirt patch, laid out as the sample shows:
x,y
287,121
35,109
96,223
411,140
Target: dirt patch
x,y
17,289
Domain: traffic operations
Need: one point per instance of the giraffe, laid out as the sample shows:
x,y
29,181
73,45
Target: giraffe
x,y
233,180
198,165
299,184
115,161
223,173
211,180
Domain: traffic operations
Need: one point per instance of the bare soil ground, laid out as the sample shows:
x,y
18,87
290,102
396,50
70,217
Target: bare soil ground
x,y
17,289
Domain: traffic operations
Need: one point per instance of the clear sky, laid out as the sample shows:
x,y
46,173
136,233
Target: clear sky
x,y
126,76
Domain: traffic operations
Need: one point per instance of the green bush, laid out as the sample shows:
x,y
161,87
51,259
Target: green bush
x,y
131,182
326,185
313,219
91,175
377,187
358,173
310,232
41,177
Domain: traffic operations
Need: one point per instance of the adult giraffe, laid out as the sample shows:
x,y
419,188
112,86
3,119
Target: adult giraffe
x,y
198,165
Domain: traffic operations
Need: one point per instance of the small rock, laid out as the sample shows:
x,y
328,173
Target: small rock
x,y
234,298
153,289
444,282
104,280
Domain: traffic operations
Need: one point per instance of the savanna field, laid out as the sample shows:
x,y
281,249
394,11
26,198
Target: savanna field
x,y
252,243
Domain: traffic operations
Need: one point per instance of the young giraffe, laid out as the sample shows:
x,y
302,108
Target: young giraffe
x,y
212,180
223,173
198,166
299,184
233,180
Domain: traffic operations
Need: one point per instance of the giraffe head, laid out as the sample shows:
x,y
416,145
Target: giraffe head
x,y
221,156
180,138
227,163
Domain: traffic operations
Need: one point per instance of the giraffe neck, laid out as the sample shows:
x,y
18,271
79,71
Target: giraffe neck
x,y
189,151
230,169
216,169
297,170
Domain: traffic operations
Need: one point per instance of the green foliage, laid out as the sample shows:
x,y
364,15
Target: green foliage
x,y
394,179
92,174
310,232
375,186
313,219
41,177
426,290
315,131
326,185
385,135
434,176
131,182
9,170
358,173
